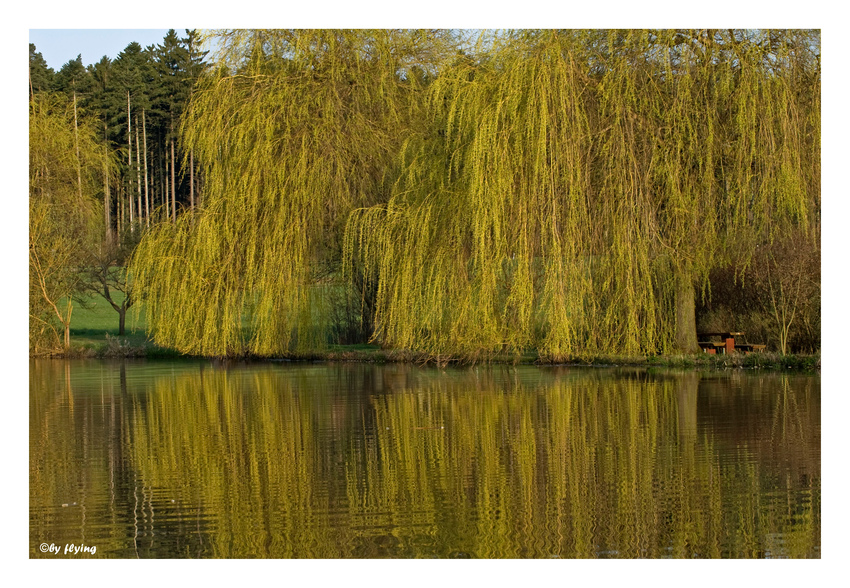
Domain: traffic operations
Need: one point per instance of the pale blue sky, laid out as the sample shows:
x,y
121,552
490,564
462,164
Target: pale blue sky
x,y
58,46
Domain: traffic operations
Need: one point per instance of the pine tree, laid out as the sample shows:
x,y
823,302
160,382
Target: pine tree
x,y
134,79
193,68
170,98
72,77
97,102
41,76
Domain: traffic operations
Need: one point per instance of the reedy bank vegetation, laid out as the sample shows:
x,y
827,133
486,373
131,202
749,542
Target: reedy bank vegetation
x,y
567,191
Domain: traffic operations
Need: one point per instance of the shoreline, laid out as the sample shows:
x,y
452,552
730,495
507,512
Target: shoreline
x,y
114,348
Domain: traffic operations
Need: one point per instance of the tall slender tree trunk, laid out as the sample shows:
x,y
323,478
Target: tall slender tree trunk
x,y
106,199
123,210
145,145
107,204
130,205
119,214
686,325
138,171
129,159
163,180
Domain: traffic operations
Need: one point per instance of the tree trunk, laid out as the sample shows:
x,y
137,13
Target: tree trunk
x,y
106,200
145,145
138,170
163,179
686,324
123,219
122,315
129,159
119,214
67,322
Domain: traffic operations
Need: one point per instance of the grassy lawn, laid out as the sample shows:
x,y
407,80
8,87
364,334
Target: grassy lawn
x,y
94,332
100,318
94,328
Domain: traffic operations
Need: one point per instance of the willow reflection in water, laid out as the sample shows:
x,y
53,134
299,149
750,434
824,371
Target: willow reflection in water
x,y
198,460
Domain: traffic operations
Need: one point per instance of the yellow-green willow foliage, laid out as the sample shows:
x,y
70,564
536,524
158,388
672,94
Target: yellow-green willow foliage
x,y
66,167
292,130
574,188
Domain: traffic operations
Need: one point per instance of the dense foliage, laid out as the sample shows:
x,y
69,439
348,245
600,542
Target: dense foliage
x,y
576,188
571,192
66,166
294,130
105,161
135,101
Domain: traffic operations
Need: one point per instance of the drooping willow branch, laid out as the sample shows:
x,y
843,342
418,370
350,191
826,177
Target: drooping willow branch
x,y
293,131
563,191
576,187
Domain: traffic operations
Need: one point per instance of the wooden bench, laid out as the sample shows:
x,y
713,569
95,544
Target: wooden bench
x,y
726,346
712,347
748,348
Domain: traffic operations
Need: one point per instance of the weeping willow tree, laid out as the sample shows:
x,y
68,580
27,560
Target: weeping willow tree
x,y
67,164
574,189
293,129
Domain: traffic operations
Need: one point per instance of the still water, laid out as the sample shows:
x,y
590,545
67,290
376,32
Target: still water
x,y
163,459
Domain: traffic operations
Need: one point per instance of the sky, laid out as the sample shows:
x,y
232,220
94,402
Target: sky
x,y
59,46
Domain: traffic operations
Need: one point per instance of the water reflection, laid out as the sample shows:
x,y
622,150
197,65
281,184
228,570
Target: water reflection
x,y
167,459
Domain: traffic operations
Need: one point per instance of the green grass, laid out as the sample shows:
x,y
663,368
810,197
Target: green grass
x,y
97,318
94,333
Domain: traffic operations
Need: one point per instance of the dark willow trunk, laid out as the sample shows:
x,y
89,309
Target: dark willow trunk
x,y
686,324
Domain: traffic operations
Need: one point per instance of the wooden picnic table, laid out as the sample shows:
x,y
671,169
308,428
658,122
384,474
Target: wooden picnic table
x,y
722,334
726,344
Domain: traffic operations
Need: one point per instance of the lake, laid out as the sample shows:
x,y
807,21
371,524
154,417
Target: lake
x,y
203,459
